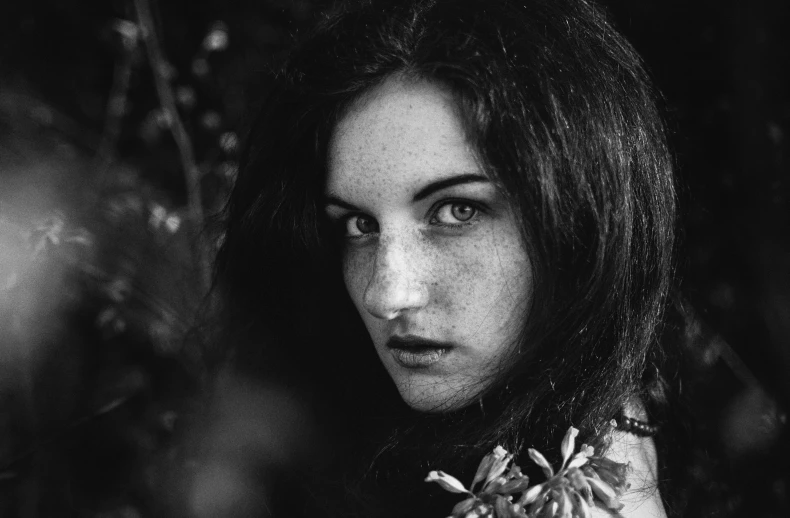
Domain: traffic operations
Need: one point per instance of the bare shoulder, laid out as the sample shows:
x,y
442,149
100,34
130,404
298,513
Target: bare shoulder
x,y
642,500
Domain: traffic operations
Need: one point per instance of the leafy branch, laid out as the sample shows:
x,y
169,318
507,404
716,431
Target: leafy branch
x,y
161,71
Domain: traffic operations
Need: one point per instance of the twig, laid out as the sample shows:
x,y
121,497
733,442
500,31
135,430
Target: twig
x,y
166,96
116,108
734,362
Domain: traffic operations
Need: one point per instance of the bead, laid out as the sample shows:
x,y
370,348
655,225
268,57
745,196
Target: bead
x,y
636,426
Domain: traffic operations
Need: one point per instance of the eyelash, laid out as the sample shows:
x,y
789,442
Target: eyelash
x,y
478,208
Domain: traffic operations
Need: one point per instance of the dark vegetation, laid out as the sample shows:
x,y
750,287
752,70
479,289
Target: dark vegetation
x,y
117,149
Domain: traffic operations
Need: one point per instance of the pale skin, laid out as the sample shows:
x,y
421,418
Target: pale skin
x,y
432,249
434,258
642,500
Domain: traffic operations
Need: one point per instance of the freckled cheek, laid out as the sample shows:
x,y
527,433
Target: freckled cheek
x,y
456,280
356,273
352,274
487,285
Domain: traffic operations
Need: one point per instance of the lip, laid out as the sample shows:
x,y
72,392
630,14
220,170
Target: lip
x,y
413,352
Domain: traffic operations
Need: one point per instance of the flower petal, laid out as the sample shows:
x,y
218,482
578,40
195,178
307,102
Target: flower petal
x,y
447,482
516,485
613,473
517,511
605,493
502,507
464,506
531,495
485,465
541,461
580,484
568,445
494,485
481,510
603,462
617,483
550,509
514,472
581,507
577,461
499,466
565,508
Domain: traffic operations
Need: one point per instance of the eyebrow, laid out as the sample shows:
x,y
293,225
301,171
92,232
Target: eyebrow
x,y
439,185
423,193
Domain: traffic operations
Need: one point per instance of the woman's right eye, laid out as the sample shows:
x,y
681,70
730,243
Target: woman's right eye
x,y
359,225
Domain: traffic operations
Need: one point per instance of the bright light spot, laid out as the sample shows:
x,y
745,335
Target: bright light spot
x,y
228,141
157,217
217,38
128,31
172,223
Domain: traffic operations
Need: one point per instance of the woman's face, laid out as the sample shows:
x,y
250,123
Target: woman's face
x,y
433,258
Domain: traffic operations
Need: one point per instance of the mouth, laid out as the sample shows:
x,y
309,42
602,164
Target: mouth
x,y
417,353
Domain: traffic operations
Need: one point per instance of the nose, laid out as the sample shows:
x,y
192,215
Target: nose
x,y
397,284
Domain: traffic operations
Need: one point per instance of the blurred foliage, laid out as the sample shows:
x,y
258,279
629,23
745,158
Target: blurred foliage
x,y
108,407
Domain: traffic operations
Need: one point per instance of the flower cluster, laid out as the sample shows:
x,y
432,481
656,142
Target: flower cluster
x,y
499,491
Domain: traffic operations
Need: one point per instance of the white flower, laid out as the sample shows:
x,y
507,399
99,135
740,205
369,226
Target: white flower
x,y
567,494
447,482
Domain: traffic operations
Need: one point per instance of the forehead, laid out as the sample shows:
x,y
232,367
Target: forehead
x,y
404,131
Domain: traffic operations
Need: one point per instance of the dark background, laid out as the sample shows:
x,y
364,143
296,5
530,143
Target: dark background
x,y
99,279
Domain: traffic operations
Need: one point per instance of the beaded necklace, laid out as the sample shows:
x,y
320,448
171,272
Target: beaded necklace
x,y
636,426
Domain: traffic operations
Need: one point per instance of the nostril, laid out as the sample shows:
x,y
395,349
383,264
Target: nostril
x,y
396,277
389,294
381,296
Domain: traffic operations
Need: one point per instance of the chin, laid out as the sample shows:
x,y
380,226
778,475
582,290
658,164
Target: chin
x,y
433,399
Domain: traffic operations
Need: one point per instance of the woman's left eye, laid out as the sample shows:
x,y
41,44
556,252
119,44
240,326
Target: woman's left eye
x,y
454,213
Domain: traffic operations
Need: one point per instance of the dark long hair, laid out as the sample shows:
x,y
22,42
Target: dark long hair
x,y
564,118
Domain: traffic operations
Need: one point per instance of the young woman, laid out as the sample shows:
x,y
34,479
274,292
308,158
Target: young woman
x,y
466,206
